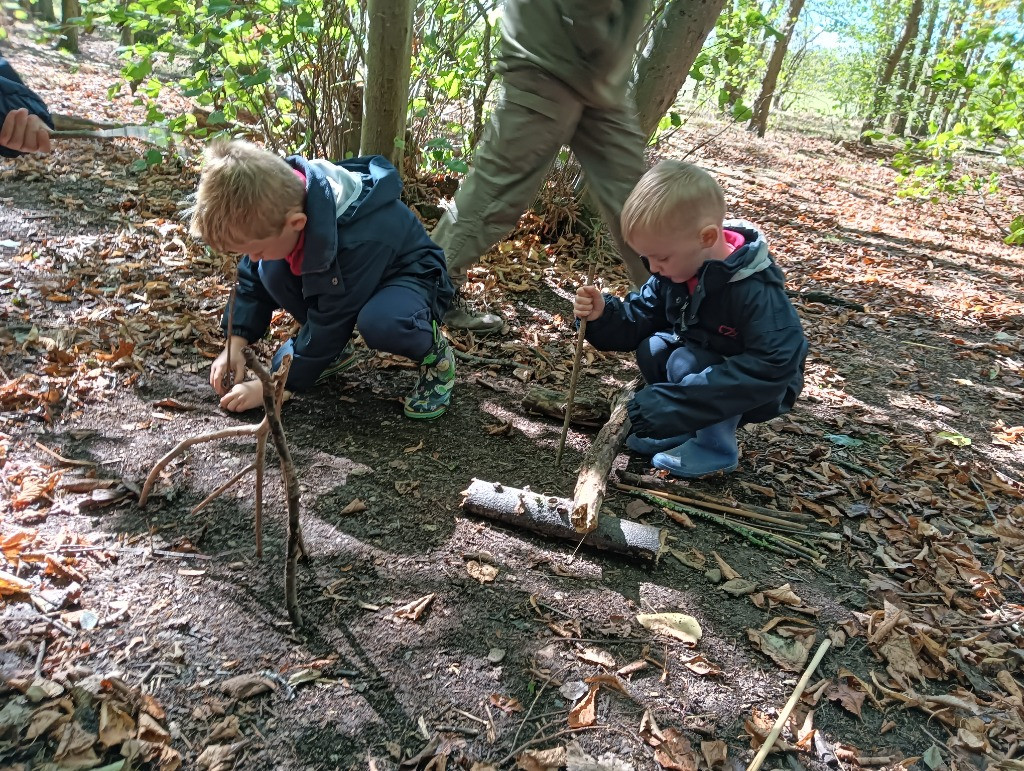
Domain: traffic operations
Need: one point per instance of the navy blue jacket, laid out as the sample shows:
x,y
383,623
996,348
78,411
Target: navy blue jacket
x,y
14,94
377,241
739,310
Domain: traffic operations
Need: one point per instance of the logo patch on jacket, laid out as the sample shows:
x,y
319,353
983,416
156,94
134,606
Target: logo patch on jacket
x,y
727,331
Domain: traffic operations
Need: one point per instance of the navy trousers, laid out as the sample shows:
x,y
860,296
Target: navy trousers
x,y
395,319
663,358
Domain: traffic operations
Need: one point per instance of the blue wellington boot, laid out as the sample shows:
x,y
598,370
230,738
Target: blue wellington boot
x,y
712,450
648,445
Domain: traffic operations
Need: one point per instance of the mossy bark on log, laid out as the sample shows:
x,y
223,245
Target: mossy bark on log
x,y
585,411
549,515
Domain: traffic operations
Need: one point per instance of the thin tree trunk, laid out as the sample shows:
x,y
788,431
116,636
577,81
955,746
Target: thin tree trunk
x,y
388,67
908,88
927,104
882,87
958,102
69,9
759,120
44,10
678,36
795,62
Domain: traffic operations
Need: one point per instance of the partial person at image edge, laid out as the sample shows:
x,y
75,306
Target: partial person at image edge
x,y
22,113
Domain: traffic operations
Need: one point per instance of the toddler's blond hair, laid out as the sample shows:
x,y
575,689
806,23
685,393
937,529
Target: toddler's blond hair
x,y
673,196
245,193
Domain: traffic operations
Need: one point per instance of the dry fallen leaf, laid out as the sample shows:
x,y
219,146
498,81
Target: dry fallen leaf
x,y
675,752
787,646
541,760
246,686
850,698
585,711
354,507
700,665
678,625
415,609
483,573
596,656
715,753
116,725
506,703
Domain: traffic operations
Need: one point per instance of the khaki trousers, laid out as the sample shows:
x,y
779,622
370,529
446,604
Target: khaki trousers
x,y
536,115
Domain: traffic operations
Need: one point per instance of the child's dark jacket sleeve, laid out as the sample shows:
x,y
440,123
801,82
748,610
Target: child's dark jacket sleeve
x,y
626,323
758,383
253,304
14,94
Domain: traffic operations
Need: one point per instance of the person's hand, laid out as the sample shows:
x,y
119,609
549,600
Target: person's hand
x,y
243,396
25,132
222,378
588,303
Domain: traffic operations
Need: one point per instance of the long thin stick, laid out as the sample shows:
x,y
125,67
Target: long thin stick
x,y
575,374
784,715
202,504
717,507
273,386
229,376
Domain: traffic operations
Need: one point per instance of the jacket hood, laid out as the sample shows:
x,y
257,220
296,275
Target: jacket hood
x,y
753,257
362,186
339,196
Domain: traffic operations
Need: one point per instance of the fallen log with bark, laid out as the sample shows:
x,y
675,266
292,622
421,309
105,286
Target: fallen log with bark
x,y
597,463
550,515
586,411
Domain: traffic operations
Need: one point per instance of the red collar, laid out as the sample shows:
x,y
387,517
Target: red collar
x,y
294,259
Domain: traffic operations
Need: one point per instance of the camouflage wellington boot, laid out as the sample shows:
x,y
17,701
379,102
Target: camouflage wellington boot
x,y
344,361
433,391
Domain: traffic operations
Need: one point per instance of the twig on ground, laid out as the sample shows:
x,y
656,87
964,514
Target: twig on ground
x,y
540,690
659,484
184,444
493,362
62,459
549,737
735,511
752,534
202,504
825,298
784,715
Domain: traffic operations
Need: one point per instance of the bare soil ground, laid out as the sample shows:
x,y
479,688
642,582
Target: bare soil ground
x,y
155,633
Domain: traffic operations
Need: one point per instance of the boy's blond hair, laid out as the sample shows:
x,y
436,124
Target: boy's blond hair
x,y
245,194
673,196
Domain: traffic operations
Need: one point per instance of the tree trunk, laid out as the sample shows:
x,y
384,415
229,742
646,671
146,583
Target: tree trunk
x,y
44,10
882,87
795,62
759,120
908,85
69,9
678,37
954,19
961,96
388,67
